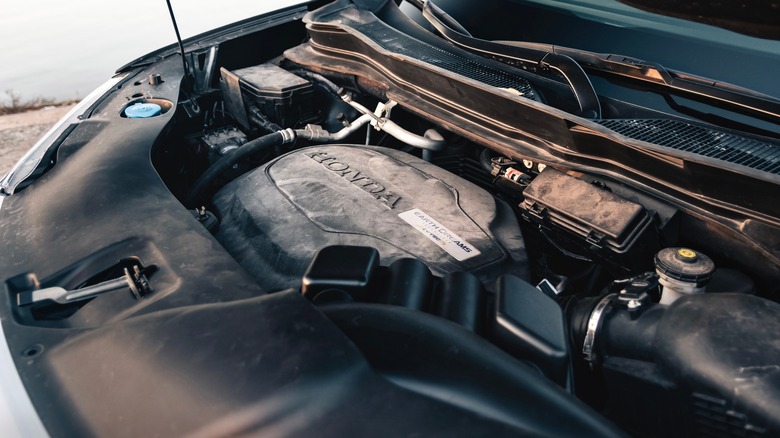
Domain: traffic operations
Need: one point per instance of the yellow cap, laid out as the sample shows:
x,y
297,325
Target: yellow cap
x,y
686,253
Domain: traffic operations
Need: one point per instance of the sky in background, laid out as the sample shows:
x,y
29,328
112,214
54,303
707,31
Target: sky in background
x,y
64,49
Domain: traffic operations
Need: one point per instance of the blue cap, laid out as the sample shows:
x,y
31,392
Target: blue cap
x,y
143,110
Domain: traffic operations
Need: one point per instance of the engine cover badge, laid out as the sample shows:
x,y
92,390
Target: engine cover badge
x,y
356,177
439,234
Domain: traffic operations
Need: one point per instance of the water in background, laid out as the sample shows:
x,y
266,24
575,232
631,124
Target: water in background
x,y
64,49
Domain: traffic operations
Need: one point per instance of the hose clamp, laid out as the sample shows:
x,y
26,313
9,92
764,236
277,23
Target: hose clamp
x,y
594,324
288,135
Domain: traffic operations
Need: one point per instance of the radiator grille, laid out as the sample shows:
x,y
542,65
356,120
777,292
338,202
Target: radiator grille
x,y
701,140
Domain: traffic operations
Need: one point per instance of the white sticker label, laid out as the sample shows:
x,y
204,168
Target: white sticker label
x,y
439,234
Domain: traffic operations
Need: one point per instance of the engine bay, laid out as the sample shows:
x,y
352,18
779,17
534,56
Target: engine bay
x,y
404,211
401,209
419,195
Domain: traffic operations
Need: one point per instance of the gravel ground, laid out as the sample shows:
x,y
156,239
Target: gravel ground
x,y
18,132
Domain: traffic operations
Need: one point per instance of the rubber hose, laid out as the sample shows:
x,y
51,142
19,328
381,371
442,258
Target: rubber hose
x,y
486,159
320,79
211,174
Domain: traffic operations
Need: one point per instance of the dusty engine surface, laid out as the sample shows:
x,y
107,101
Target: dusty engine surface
x,y
276,218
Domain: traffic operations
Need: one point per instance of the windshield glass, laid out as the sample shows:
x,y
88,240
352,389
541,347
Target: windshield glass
x,y
609,26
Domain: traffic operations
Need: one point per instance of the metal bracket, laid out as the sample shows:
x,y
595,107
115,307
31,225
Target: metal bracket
x,y
134,279
202,66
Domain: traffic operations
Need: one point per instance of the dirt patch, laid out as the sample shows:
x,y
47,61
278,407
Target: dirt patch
x,y
18,132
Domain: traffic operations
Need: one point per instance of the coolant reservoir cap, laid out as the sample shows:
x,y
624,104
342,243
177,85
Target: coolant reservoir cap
x,y
143,110
684,264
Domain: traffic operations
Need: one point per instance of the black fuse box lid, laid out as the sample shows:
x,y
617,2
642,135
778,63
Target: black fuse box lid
x,y
600,217
285,98
270,81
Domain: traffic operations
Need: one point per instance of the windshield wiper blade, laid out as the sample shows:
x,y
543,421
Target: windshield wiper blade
x,y
652,76
716,93
529,59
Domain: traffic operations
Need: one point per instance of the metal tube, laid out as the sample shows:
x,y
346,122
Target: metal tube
x,y
106,286
432,140
315,133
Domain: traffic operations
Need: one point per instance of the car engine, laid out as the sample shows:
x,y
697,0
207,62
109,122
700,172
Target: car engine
x,y
591,281
355,195
599,285
491,236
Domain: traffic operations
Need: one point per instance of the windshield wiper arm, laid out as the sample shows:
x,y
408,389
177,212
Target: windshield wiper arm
x,y
720,94
652,76
530,59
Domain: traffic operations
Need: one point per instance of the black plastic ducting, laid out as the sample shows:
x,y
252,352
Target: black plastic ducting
x,y
444,361
530,325
520,319
707,365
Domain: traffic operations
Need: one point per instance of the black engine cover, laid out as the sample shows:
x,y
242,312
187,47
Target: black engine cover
x,y
276,218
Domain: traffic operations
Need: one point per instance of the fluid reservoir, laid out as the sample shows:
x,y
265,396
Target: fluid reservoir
x,y
682,271
143,110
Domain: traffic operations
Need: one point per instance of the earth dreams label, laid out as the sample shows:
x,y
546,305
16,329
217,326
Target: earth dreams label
x,y
439,234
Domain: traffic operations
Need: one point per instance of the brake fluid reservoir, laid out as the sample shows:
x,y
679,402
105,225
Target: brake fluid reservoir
x,y
682,271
